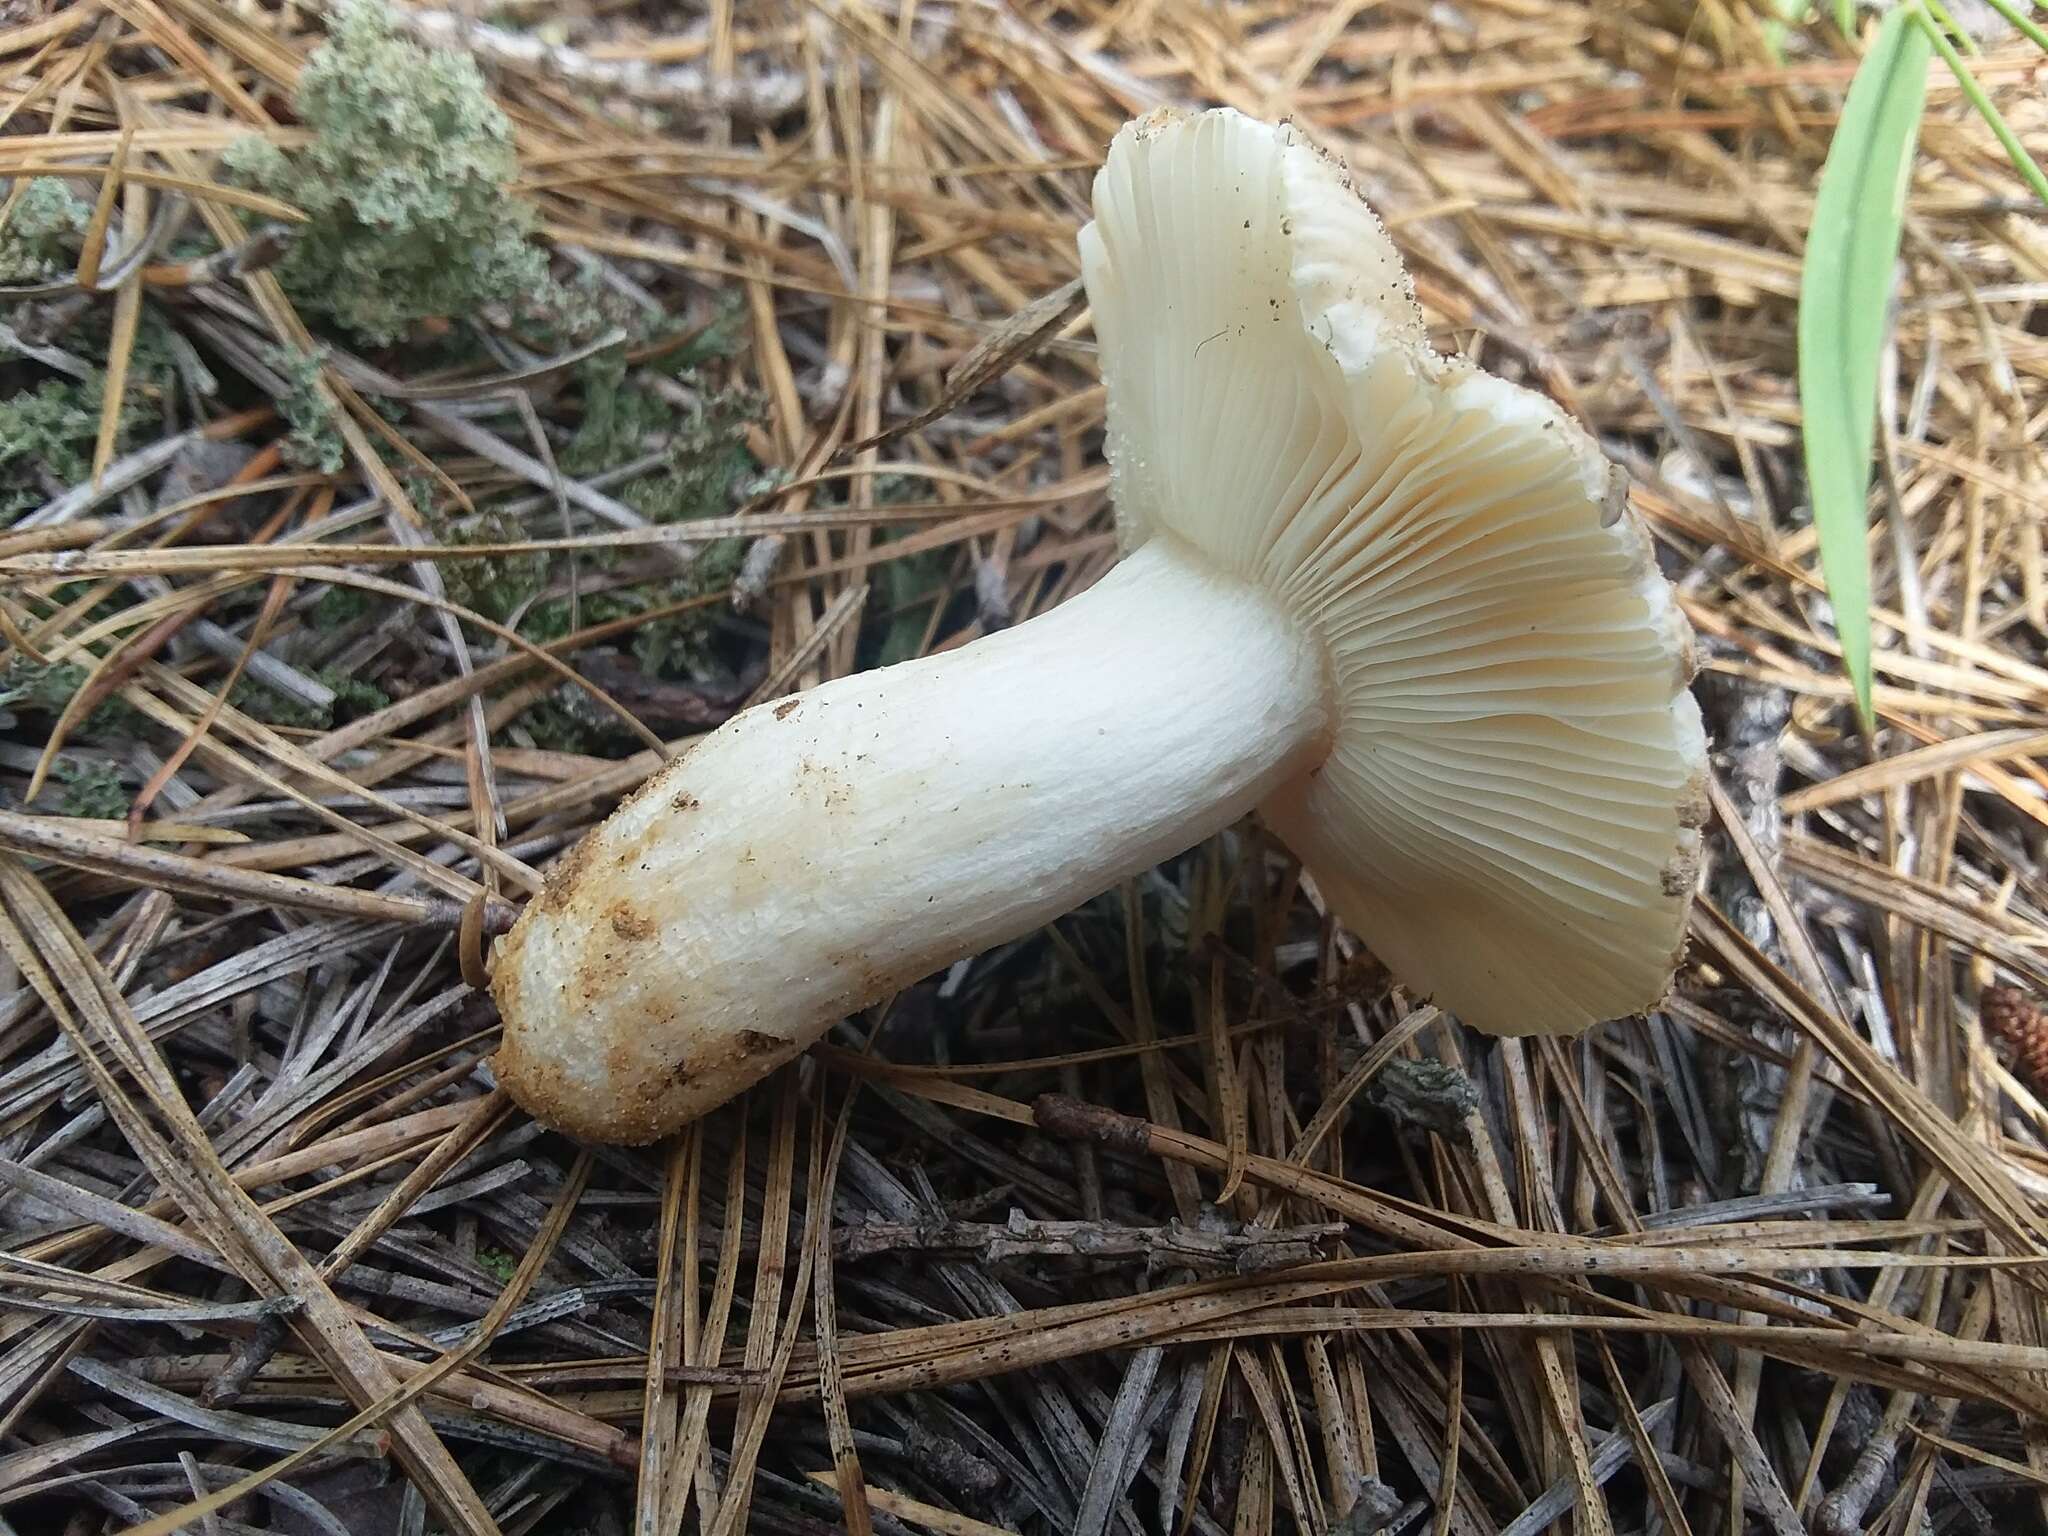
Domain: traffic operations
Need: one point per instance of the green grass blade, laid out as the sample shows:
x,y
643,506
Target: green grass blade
x,y
1845,18
1987,109
1844,293
2021,17
1946,23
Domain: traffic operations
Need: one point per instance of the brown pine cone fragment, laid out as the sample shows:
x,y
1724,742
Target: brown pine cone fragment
x,y
2010,1015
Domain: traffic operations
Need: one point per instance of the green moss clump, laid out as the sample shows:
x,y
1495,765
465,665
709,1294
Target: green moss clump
x,y
908,586
261,702
496,586
702,475
49,429
680,646
353,697
403,185
618,417
706,462
45,688
722,337
91,790
40,238
705,471
339,606
567,721
315,441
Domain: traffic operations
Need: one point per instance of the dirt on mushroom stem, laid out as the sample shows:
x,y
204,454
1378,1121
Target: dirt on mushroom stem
x,y
920,813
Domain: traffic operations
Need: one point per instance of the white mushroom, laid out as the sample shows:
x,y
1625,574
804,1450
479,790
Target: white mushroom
x,y
1376,594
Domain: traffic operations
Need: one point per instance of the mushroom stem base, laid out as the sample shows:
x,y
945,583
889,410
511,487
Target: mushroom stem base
x,y
814,855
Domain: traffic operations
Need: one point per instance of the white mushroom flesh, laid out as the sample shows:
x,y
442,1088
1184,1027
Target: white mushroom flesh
x,y
1372,591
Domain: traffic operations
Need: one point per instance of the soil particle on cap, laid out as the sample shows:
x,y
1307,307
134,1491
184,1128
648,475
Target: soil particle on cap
x,y
628,923
560,885
1688,660
1693,806
787,708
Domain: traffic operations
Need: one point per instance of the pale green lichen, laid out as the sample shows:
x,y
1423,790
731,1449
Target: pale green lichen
x,y
403,184
46,438
47,432
261,702
41,236
92,789
353,698
48,428
43,687
340,606
47,687
496,586
704,464
315,441
618,418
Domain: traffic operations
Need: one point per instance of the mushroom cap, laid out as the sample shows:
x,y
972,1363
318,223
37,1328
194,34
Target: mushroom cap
x,y
1509,815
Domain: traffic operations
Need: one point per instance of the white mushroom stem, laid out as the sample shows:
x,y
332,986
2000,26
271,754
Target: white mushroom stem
x,y
816,854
